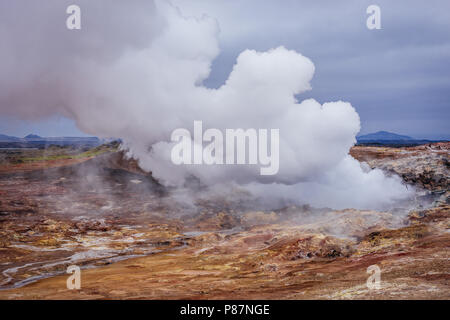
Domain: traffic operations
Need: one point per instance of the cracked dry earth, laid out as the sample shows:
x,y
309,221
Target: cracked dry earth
x,y
135,240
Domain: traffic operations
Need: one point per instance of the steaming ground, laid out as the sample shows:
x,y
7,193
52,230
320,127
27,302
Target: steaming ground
x,y
101,210
135,71
139,79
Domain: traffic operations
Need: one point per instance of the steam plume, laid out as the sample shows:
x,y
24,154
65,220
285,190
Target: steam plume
x,y
135,71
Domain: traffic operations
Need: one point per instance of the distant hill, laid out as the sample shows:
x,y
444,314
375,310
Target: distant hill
x,y
35,141
383,135
5,138
384,138
33,136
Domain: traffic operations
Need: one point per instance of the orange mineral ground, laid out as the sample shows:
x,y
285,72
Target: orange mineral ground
x,y
134,240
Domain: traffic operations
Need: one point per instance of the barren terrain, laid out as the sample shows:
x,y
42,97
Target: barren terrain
x,y
135,239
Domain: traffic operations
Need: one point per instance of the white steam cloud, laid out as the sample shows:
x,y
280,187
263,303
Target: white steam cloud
x,y
135,71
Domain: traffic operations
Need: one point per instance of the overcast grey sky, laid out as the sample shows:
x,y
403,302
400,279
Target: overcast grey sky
x,y
397,78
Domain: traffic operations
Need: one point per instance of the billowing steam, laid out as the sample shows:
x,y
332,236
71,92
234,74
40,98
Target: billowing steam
x,y
135,71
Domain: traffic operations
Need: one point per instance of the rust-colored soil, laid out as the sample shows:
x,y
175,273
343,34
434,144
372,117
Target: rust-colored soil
x,y
133,240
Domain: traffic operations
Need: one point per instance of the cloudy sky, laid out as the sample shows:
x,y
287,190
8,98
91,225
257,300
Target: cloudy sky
x,y
397,78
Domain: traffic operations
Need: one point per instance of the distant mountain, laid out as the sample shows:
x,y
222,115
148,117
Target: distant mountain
x,y
35,141
33,136
383,135
5,138
384,138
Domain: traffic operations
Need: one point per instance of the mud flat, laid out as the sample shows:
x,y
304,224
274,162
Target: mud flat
x,y
133,240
